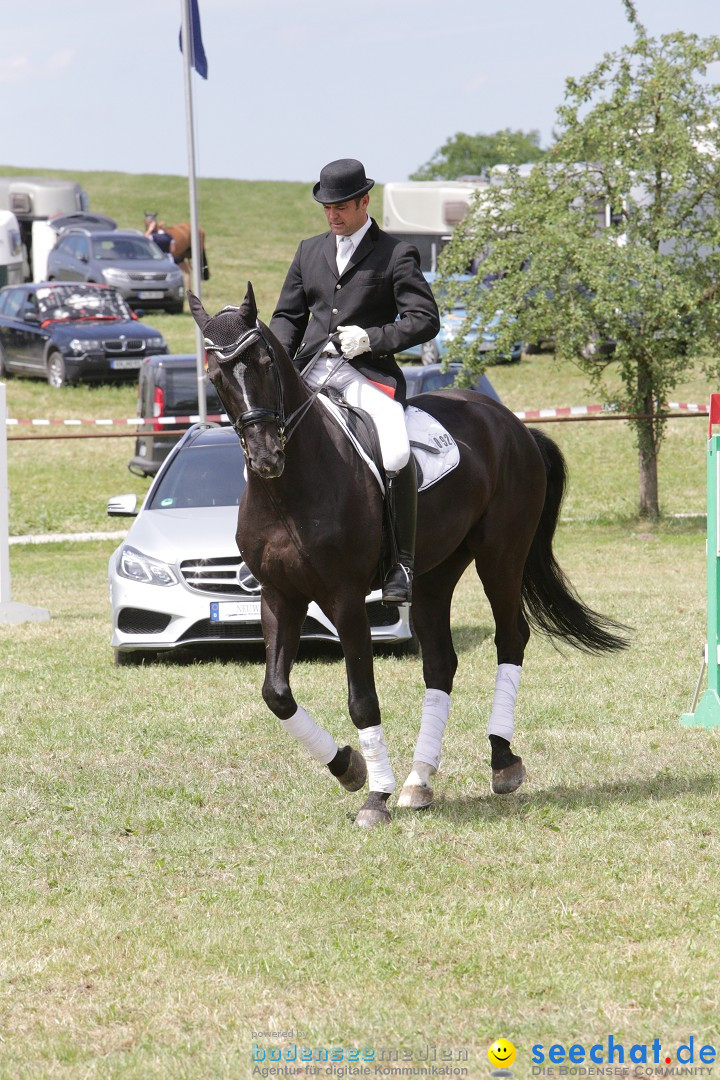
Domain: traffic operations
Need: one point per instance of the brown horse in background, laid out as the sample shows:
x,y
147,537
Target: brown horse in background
x,y
180,244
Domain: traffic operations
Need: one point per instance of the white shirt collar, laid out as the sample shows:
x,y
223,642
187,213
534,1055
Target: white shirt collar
x,y
356,237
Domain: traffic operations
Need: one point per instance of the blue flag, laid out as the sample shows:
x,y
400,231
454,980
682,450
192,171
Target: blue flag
x,y
198,58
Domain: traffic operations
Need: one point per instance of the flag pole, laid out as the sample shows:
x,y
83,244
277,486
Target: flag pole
x,y
196,261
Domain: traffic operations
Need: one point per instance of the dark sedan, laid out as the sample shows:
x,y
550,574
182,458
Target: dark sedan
x,y
70,332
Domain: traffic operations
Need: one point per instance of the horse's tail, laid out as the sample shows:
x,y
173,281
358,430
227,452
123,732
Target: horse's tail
x,y
549,601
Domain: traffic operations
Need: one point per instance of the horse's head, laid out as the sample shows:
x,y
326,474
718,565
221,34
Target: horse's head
x,y
243,369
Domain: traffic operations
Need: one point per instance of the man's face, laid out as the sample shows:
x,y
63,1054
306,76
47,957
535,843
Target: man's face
x,y
345,218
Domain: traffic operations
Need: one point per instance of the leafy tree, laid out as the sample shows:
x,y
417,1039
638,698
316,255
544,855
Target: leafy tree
x,y
469,155
612,246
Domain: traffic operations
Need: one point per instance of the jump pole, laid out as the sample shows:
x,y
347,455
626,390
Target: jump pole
x,y
707,713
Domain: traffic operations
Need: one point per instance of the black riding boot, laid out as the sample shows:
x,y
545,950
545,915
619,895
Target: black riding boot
x,y
402,502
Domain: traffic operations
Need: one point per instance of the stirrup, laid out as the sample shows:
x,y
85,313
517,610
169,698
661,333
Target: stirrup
x,y
397,587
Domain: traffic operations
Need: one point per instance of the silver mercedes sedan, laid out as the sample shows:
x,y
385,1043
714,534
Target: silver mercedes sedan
x,y
177,579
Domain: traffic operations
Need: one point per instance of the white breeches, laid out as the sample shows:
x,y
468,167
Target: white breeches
x,y
388,415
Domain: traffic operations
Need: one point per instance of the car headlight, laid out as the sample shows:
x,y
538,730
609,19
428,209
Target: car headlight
x,y
83,345
114,276
154,344
135,566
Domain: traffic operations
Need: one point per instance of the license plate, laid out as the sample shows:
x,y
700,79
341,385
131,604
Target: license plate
x,y
235,611
118,365
150,295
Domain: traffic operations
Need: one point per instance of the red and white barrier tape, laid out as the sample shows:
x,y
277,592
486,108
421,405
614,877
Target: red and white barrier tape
x,y
527,414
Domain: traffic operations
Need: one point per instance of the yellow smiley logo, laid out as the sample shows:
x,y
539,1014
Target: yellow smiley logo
x,y
501,1054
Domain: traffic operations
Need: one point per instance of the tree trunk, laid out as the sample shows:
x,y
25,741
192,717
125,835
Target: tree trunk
x,y
648,432
648,502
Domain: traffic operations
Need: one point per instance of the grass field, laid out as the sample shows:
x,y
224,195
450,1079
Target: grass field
x,y
176,876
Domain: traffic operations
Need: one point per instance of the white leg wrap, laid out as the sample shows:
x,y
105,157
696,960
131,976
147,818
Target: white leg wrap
x,y
318,742
436,709
502,715
374,748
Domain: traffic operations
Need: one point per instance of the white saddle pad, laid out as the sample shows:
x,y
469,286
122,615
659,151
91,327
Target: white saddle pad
x,y
434,449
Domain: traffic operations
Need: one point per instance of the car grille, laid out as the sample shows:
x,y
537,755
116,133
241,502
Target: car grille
x,y
137,621
205,630
215,575
124,345
382,614
147,277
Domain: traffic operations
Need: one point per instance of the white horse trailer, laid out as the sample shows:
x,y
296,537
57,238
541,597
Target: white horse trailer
x,y
425,212
11,252
32,199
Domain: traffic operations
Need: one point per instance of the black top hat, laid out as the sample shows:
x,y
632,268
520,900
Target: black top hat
x,y
341,180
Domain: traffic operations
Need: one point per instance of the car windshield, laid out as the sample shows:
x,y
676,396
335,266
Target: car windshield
x,y
181,393
57,302
121,248
201,476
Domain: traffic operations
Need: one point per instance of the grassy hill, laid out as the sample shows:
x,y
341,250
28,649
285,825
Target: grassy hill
x,y
252,229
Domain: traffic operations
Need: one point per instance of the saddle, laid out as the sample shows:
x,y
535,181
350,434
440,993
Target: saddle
x,y
434,450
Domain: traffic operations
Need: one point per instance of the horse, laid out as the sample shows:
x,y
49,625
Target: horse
x,y
310,527
181,244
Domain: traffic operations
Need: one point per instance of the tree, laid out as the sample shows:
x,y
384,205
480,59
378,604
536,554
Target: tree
x,y
469,155
611,247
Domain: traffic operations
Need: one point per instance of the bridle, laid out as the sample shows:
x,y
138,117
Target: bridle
x,y
286,426
225,353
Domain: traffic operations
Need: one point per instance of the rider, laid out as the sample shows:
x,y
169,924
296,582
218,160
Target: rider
x,y
365,290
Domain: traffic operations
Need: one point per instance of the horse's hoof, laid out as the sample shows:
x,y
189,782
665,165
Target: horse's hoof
x,y
374,812
508,779
415,797
355,775
417,794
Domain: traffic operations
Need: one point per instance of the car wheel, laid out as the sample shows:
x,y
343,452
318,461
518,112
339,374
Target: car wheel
x,y
175,309
531,348
56,374
429,352
4,373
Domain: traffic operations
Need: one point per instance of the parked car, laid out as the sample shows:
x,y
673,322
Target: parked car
x,y
450,324
168,387
123,258
178,580
66,333
422,378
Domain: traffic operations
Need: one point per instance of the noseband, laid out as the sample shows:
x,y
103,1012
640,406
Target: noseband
x,y
224,353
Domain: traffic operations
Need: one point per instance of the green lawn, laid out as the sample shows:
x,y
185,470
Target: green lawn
x,y
176,875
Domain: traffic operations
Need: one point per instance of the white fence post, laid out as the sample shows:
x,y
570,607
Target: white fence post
x,y
9,612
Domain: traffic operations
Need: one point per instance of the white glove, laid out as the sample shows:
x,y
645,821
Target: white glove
x,y
353,341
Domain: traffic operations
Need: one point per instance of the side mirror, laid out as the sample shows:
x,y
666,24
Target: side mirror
x,y
122,506
31,316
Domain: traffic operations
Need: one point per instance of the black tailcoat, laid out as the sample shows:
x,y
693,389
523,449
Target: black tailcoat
x,y
382,290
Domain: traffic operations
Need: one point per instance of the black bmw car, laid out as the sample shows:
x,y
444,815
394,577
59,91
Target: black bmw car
x,y
66,332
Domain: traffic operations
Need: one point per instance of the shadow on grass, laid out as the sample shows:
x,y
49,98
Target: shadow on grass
x,y
551,802
465,638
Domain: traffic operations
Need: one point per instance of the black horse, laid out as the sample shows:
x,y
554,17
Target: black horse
x,y
310,528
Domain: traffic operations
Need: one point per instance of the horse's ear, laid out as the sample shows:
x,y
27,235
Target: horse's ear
x,y
248,308
197,311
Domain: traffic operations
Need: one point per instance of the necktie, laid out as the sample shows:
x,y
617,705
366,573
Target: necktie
x,y
345,250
